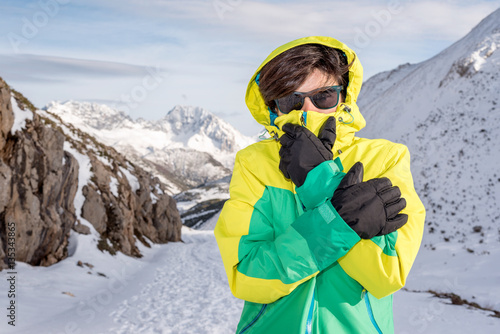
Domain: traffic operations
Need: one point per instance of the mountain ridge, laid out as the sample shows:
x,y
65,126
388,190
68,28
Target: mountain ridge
x,y
446,110
173,147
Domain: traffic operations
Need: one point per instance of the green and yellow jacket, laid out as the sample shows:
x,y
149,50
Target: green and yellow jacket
x,y
286,251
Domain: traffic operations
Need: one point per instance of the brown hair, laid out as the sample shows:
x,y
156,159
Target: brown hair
x,y
287,71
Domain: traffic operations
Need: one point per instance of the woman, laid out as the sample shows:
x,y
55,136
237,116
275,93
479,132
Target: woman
x,y
312,249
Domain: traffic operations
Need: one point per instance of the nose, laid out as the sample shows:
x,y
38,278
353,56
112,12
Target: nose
x,y
308,105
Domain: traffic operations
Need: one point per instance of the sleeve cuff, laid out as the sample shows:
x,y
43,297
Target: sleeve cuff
x,y
328,236
320,184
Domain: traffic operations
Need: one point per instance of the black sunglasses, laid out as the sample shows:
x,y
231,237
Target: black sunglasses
x,y
322,98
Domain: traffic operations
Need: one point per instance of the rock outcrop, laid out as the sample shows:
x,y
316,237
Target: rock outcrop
x,y
121,210
38,182
40,178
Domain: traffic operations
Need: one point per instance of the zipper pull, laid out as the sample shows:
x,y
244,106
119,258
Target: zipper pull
x,y
274,135
363,293
302,119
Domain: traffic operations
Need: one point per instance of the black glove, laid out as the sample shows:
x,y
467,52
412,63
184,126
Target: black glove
x,y
370,208
301,150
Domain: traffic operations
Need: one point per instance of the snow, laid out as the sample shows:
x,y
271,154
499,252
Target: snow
x,y
84,176
447,267
104,160
192,298
154,199
424,313
20,116
113,185
65,129
158,189
132,179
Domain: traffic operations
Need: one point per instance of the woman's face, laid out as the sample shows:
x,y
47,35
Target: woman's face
x,y
316,79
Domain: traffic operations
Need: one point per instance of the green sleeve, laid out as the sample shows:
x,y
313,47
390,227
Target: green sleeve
x,y
320,183
327,235
315,240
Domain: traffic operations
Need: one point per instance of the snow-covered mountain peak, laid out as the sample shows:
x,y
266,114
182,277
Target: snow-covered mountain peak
x,y
490,24
475,50
176,146
187,114
464,58
95,115
202,130
486,33
431,84
188,119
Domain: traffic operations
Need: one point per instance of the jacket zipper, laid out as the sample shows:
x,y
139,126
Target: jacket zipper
x,y
310,315
254,319
370,312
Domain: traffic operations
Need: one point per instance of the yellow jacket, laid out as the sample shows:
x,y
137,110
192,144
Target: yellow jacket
x,y
270,246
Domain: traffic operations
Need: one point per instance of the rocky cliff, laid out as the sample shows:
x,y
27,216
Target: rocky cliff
x,y
55,178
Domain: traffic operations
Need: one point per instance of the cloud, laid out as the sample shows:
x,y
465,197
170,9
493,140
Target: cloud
x,y
51,68
443,20
272,20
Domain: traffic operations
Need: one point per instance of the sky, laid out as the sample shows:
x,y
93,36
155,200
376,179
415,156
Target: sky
x,y
145,57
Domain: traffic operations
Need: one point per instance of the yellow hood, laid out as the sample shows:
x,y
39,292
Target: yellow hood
x,y
349,119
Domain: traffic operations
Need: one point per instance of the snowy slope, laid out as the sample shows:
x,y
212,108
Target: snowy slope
x,y
186,148
446,110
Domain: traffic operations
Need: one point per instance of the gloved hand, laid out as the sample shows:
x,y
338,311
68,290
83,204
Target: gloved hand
x,y
301,150
370,208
